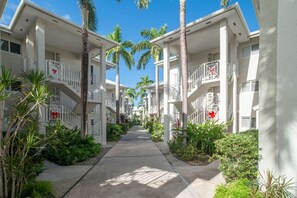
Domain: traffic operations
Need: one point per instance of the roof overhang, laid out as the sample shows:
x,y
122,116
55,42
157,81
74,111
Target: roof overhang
x,y
256,4
111,85
27,14
208,27
2,6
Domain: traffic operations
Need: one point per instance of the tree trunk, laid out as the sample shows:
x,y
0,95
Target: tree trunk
x,y
184,67
84,83
117,92
157,92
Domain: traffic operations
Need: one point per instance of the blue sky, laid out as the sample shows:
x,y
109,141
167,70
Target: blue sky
x,y
132,21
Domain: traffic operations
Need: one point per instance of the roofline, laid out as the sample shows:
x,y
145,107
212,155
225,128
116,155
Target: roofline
x,y
5,28
22,5
2,6
208,17
254,34
256,4
121,85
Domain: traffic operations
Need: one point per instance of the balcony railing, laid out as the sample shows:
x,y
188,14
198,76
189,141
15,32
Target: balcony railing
x,y
65,73
174,93
200,116
204,72
110,104
59,112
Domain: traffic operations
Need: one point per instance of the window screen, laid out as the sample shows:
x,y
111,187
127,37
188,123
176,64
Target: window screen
x,y
4,45
15,48
255,49
245,51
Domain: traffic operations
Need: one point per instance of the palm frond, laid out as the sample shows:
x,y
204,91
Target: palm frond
x,y
128,58
90,7
143,60
143,4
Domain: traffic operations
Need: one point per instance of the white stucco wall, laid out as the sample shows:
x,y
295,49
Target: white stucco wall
x,y
277,73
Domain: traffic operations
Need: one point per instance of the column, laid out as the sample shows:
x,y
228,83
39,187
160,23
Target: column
x,y
40,55
223,71
29,64
103,93
40,45
149,102
234,63
166,79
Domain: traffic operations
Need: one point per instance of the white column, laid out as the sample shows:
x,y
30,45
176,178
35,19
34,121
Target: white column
x,y
103,94
149,102
40,45
40,55
223,71
29,53
234,62
166,79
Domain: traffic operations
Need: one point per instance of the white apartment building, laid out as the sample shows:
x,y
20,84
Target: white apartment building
x,y
38,39
152,105
223,71
125,106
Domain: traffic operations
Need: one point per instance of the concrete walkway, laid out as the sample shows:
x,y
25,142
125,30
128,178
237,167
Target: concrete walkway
x,y
134,168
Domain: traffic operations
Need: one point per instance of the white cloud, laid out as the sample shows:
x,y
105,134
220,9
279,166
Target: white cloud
x,y
67,16
5,19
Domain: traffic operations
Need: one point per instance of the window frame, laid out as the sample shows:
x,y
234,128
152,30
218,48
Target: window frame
x,y
250,85
251,51
251,121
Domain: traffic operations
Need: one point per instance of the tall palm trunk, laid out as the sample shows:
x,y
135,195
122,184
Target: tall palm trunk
x,y
117,91
157,92
184,67
84,82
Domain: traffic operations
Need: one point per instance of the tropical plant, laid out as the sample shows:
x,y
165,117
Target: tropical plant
x,y
150,51
21,144
115,54
131,94
89,22
142,86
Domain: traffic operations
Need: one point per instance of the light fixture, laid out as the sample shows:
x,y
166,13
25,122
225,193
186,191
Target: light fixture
x,y
54,20
170,38
209,22
239,34
234,24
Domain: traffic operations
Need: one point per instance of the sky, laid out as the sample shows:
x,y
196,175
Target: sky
x,y
131,20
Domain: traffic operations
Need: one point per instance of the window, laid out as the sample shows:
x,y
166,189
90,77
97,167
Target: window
x,y
4,45
248,122
92,74
10,47
250,86
250,50
255,48
246,51
15,48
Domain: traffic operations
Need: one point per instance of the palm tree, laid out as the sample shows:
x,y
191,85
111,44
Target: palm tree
x,y
115,54
131,94
142,86
150,51
89,20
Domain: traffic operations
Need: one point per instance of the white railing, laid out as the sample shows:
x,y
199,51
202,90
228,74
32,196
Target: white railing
x,y
59,112
206,100
110,104
204,72
64,73
230,109
162,103
174,93
206,113
95,128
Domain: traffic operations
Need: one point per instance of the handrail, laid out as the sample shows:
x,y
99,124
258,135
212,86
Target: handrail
x,y
111,104
64,73
64,114
204,72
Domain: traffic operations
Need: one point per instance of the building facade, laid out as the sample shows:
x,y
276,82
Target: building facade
x,y
223,71
38,39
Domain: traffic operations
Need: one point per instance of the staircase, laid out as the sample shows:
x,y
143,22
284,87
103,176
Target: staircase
x,y
205,74
206,107
175,98
110,105
68,80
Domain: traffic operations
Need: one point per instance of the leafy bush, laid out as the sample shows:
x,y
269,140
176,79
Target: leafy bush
x,y
238,154
157,132
239,188
38,189
204,135
187,153
125,128
66,147
114,132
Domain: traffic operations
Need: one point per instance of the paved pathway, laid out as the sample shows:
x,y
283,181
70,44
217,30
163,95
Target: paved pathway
x,y
132,168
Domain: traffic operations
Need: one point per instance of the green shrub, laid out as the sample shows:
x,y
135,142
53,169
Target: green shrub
x,y
38,189
204,135
66,147
114,132
157,132
187,153
125,128
238,154
239,188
